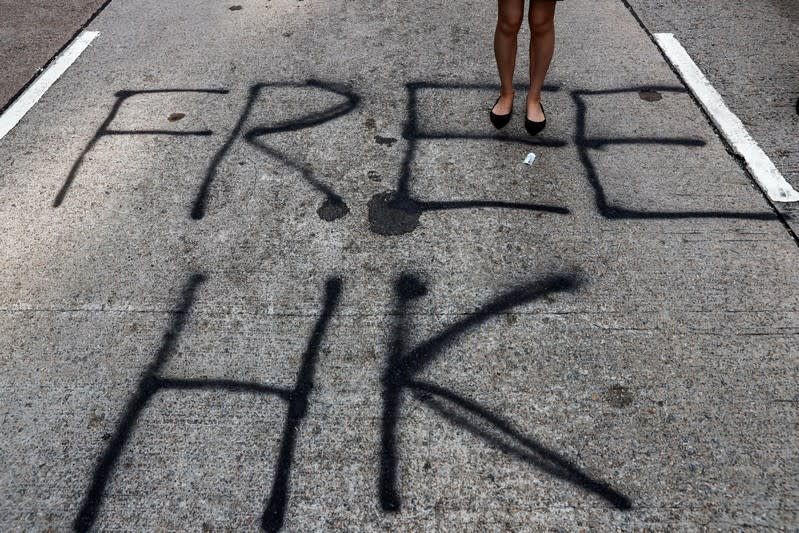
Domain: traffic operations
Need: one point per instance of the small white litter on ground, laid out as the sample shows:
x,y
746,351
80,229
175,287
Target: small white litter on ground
x,y
529,159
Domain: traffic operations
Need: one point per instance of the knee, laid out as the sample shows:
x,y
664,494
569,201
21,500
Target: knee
x,y
509,24
542,25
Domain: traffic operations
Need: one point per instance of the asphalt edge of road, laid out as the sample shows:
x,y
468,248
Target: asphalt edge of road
x,y
741,162
5,105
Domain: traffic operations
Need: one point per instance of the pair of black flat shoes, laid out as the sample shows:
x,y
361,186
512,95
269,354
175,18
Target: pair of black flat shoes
x,y
532,127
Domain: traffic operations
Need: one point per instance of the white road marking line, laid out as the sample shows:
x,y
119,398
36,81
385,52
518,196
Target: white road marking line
x,y
34,92
765,173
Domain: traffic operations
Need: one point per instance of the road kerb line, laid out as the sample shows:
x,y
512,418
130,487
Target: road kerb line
x,y
766,175
14,113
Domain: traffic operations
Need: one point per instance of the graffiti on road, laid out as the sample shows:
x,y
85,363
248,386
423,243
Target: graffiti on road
x,y
392,212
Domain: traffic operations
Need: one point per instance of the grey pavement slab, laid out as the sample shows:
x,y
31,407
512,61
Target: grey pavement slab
x,y
605,339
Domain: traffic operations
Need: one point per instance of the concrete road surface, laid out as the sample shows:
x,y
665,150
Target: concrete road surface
x,y
271,268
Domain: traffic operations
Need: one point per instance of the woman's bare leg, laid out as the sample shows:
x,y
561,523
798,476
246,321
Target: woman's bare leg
x,y
542,46
509,20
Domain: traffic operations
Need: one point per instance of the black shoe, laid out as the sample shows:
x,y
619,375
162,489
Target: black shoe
x,y
499,121
534,128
